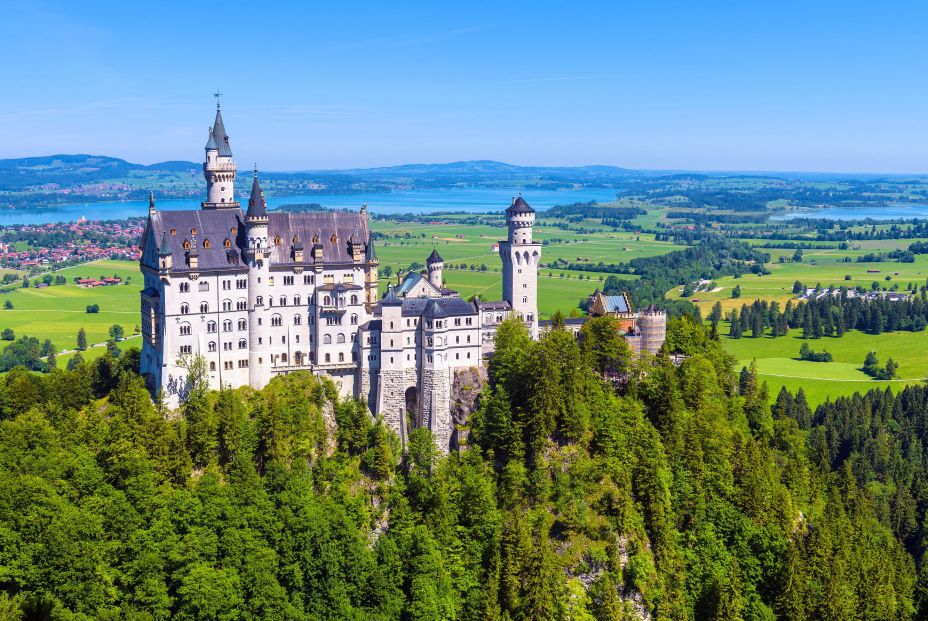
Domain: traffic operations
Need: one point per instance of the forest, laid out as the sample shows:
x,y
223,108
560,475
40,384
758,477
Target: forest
x,y
591,485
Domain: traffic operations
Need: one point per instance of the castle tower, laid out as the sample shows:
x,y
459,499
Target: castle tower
x,y
435,264
257,254
652,325
219,168
520,257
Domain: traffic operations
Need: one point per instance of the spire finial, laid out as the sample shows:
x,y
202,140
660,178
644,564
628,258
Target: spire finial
x,y
256,170
151,202
217,95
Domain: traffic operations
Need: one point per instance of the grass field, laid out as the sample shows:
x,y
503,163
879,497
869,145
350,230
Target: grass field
x,y
825,267
58,312
777,361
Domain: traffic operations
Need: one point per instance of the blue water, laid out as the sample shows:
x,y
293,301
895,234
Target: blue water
x,y
410,201
889,212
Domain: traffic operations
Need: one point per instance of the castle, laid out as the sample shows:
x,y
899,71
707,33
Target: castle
x,y
259,294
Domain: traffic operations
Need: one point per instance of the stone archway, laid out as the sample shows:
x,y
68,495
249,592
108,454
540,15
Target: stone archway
x,y
412,406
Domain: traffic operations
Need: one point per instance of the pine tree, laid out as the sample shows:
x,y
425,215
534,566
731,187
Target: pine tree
x,y
81,340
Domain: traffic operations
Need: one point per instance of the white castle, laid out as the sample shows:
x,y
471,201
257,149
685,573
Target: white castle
x,y
260,294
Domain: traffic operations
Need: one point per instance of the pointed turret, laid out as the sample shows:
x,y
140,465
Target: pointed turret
x,y
257,205
370,253
434,258
219,136
164,248
151,203
211,144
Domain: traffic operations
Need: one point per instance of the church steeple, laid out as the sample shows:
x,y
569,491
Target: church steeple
x,y
257,205
219,168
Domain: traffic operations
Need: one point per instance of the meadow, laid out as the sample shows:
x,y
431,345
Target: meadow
x,y
778,363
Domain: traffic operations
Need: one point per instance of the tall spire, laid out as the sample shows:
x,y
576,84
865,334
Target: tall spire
x,y
164,249
219,134
257,205
151,203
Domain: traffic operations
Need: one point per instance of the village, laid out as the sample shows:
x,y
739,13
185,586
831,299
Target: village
x,y
35,247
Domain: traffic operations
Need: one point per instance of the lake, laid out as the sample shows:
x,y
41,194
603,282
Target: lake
x,y
474,200
888,212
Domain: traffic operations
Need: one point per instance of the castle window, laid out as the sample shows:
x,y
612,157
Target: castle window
x,y
354,299
328,358
341,357
315,239
242,324
204,307
227,243
259,301
307,279
334,239
296,320
277,240
193,231
283,357
233,231
206,244
241,304
288,280
242,343
203,286
173,232
186,245
184,309
227,305
184,329
227,346
226,285
276,320
326,339
348,278
227,325
211,346
241,283
354,320
340,338
212,366
296,300
210,326
184,287
524,299
186,349
283,300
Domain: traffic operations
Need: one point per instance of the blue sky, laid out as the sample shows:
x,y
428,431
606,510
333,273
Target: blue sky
x,y
824,86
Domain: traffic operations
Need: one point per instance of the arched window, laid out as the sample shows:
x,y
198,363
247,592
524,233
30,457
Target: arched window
x,y
227,325
283,357
193,231
298,358
326,301
340,338
242,324
354,337
354,320
327,339
186,245
206,244
283,300
328,358
297,320
184,329
334,239
227,243
211,346
354,299
210,326
276,320
296,300
204,307
242,343
227,305
259,301
341,356
277,240
184,308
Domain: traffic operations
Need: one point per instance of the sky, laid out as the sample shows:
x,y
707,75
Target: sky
x,y
750,86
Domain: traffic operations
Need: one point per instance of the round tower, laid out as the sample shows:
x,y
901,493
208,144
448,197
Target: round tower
x,y
435,264
257,254
652,325
219,167
520,257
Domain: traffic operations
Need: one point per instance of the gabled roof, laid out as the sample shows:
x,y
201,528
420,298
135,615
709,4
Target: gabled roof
x,y
616,304
410,281
220,136
434,310
391,299
434,258
519,206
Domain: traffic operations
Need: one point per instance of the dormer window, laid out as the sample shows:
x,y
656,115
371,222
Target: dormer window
x,y
315,239
277,240
186,245
173,231
206,244
233,231
334,239
193,231
227,244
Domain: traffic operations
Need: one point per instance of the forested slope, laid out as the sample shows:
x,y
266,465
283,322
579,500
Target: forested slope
x,y
679,496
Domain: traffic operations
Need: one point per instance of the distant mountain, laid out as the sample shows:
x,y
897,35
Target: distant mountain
x,y
484,168
70,170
